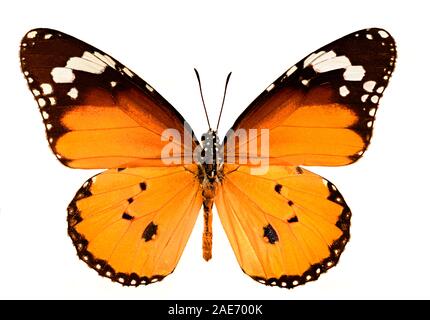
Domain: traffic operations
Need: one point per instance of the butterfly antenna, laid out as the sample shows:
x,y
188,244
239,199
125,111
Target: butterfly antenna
x,y
201,94
223,100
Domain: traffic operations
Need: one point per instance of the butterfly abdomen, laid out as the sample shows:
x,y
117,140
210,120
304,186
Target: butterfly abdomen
x,y
209,188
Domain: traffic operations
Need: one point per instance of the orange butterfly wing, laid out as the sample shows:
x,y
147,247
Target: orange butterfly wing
x,y
321,111
286,227
97,113
131,223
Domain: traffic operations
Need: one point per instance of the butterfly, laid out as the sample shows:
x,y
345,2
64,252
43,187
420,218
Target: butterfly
x,y
131,222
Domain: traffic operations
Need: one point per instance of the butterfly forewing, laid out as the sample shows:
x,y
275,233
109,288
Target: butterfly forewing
x,y
97,113
321,111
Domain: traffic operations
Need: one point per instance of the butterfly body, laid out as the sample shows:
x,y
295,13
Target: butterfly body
x,y
210,176
131,222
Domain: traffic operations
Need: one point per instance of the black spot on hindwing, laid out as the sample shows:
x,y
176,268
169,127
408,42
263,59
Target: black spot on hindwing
x,y
150,231
293,219
142,186
270,234
278,188
126,216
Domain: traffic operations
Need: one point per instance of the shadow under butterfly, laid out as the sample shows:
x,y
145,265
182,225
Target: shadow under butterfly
x,y
131,222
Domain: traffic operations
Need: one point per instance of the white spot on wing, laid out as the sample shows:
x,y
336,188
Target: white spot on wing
x,y
369,36
128,72
36,92
374,99
73,93
149,88
31,34
45,115
354,73
369,85
47,36
383,34
341,62
90,57
46,88
364,97
324,57
52,101
291,71
380,89
106,59
305,82
311,58
62,75
270,87
41,102
113,84
81,64
343,91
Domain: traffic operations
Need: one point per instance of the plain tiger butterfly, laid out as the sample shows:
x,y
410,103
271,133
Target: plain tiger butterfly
x,y
131,222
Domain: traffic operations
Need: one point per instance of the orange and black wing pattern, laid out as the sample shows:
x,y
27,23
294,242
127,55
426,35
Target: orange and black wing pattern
x,y
97,113
287,226
321,111
131,222
131,225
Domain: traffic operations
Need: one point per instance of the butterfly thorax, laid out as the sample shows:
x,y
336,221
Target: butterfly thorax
x,y
210,175
211,158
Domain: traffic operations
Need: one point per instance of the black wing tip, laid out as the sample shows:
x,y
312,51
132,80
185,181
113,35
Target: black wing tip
x,y
42,30
37,32
379,29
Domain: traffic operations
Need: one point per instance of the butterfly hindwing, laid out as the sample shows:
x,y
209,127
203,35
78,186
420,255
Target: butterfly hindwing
x,y
132,225
286,227
321,111
97,113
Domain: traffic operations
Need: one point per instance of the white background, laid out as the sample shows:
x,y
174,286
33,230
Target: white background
x,y
387,190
